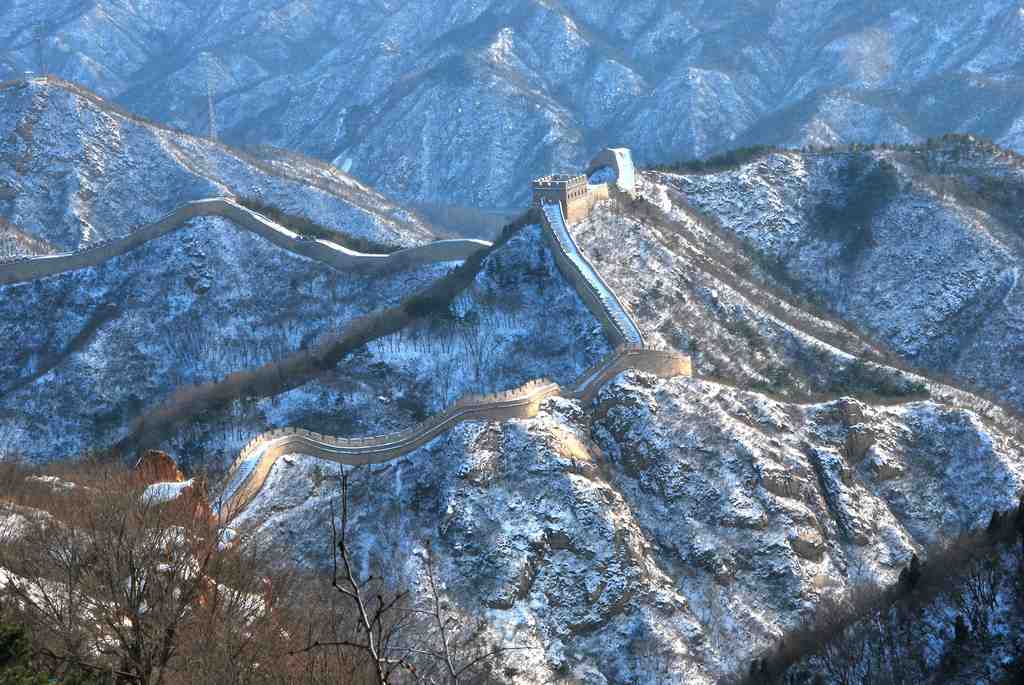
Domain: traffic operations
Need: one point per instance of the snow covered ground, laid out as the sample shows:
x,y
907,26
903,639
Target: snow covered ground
x,y
676,527
931,269
520,320
97,347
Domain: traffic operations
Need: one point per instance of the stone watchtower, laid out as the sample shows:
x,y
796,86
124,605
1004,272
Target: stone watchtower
x,y
569,191
579,194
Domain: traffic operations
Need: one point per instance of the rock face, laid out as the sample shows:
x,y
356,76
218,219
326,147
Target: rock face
x,y
645,534
465,101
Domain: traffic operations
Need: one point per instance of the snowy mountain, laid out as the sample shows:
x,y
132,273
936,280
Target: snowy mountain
x,y
918,249
683,526
462,102
848,312
76,170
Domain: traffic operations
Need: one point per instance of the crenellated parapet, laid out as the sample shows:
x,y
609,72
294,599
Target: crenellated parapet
x,y
616,319
254,463
572,193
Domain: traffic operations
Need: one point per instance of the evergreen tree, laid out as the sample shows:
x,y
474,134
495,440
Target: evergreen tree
x,y
960,629
15,654
994,524
911,574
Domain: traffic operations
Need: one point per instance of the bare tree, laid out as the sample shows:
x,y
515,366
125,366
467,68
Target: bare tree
x,y
481,349
456,648
110,581
403,635
380,614
977,593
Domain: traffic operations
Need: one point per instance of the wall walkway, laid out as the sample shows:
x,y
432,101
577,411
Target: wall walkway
x,y
332,254
250,470
602,301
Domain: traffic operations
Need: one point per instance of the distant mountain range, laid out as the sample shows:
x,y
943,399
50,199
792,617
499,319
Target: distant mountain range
x,y
461,102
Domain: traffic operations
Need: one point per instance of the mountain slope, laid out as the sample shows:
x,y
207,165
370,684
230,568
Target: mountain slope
x,y
918,249
667,534
77,170
464,102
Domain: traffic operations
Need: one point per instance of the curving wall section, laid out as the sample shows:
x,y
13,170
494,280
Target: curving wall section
x,y
599,298
332,254
253,465
250,470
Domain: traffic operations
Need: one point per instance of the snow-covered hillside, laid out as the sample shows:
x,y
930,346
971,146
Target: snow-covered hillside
x,y
74,170
667,535
97,348
918,249
666,532
465,100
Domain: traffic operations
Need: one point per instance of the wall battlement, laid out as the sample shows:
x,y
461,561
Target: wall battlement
x,y
574,192
570,191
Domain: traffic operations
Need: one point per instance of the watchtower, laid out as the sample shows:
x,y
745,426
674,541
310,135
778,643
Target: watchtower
x,y
569,191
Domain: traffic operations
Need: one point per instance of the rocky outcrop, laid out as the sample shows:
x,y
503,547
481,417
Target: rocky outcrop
x,y
851,411
589,529
859,439
807,543
158,467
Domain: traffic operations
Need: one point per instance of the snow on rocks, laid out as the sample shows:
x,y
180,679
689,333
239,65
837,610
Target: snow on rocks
x,y
162,493
876,241
569,531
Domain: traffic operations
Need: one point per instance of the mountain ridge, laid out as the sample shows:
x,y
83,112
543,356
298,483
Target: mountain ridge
x,y
538,86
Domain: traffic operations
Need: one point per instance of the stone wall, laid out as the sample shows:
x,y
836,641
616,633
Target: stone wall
x,y
618,323
520,403
263,451
620,160
337,256
661,363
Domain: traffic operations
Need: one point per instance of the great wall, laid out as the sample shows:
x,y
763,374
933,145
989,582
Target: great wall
x,y
332,254
555,196
562,200
250,470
